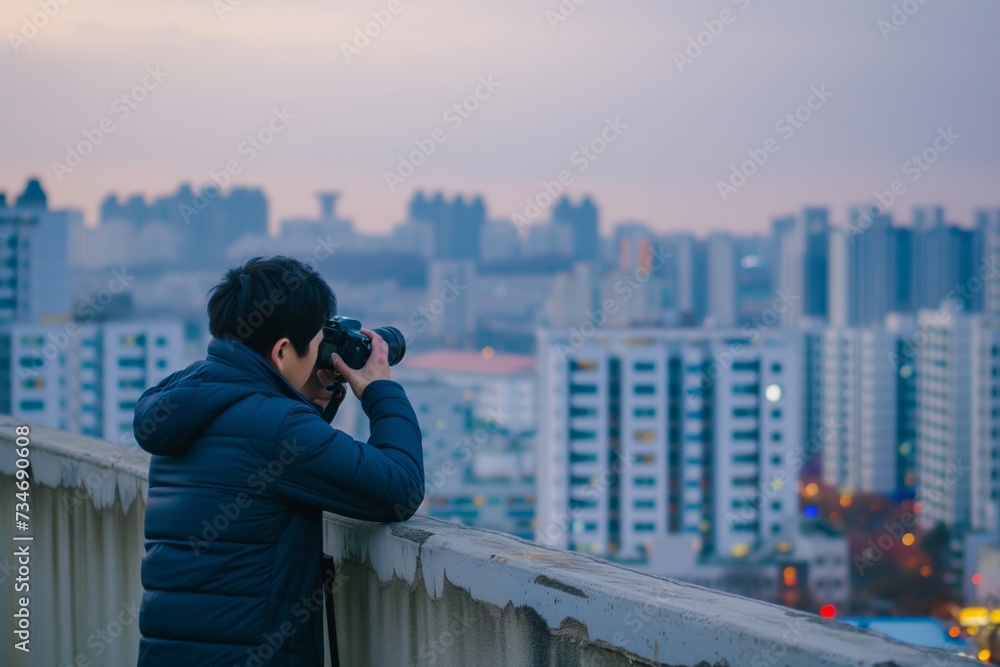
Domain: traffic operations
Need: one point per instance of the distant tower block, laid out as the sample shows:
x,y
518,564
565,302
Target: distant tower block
x,y
328,204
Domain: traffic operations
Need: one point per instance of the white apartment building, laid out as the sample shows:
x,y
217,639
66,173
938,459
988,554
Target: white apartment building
x,y
645,433
958,426
867,391
34,283
85,378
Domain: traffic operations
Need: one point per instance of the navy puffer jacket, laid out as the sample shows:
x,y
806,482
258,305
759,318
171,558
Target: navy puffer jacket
x,y
243,466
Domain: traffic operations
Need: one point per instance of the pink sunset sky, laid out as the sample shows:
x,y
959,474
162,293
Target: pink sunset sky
x,y
896,78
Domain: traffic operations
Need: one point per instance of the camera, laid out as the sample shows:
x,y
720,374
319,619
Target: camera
x,y
343,336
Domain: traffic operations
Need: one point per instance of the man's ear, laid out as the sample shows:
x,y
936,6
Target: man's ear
x,y
279,353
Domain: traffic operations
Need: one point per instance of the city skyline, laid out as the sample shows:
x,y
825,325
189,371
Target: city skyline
x,y
901,216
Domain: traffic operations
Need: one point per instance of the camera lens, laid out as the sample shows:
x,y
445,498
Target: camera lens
x,y
395,341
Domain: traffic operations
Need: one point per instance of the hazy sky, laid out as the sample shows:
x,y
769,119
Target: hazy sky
x,y
891,92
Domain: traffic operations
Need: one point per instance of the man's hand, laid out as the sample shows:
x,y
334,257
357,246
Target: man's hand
x,y
315,388
377,367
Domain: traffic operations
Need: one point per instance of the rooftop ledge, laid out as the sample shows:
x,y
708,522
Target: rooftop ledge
x,y
416,593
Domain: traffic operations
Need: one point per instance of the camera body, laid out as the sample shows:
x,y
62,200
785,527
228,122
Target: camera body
x,y
343,336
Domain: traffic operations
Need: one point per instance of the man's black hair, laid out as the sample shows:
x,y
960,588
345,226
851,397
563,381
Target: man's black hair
x,y
268,299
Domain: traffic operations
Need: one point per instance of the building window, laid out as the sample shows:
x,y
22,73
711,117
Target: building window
x,y
644,412
644,366
746,366
583,389
645,389
30,406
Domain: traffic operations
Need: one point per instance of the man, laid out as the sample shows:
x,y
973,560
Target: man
x,y
244,465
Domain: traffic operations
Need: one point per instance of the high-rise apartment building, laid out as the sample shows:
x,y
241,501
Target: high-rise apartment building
x,y
34,280
649,433
868,393
958,419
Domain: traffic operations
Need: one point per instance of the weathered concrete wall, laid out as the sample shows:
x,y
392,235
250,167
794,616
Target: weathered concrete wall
x,y
424,592
429,592
86,516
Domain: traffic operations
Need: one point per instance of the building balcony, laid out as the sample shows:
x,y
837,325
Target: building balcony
x,y
423,592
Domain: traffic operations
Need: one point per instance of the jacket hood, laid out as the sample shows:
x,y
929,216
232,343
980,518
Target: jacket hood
x,y
169,416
